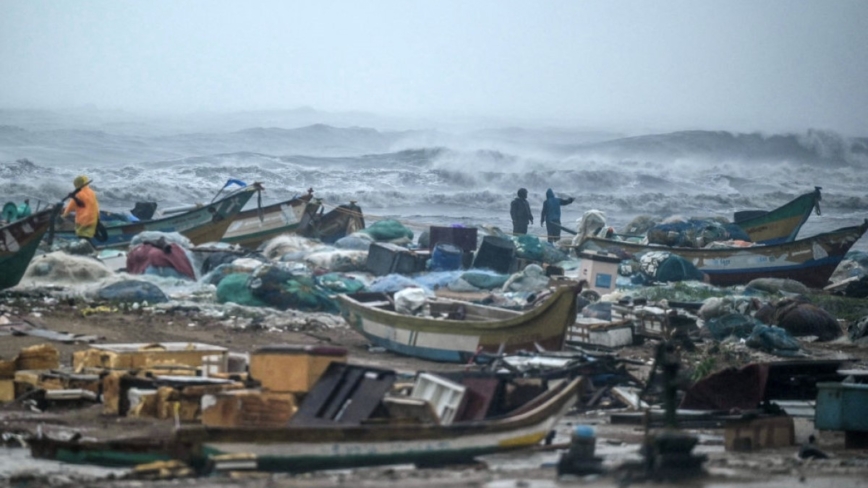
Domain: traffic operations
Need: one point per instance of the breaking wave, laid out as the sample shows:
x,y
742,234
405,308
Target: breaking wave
x,y
467,178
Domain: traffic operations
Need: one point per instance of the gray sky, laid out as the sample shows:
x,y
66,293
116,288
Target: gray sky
x,y
727,64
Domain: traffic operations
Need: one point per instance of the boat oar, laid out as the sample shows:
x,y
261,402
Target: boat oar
x,y
564,228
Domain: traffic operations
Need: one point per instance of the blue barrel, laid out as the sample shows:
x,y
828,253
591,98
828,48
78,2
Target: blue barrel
x,y
446,257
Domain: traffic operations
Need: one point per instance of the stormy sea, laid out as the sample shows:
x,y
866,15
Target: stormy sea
x,y
424,173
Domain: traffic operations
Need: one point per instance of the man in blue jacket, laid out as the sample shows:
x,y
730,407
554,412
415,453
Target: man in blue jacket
x,y
551,214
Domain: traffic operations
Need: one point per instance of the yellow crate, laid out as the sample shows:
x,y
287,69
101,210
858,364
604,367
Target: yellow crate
x,y
292,369
139,356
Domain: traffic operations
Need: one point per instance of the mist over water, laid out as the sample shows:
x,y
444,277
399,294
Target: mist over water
x,y
425,177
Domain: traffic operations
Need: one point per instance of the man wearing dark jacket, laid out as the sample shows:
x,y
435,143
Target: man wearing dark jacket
x,y
551,214
520,213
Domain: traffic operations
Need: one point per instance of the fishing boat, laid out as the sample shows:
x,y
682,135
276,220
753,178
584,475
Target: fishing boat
x,y
204,223
18,243
257,225
303,448
781,224
455,331
811,260
303,215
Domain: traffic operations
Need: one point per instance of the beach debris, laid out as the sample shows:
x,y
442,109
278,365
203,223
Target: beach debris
x,y
532,279
759,432
161,258
345,394
292,368
129,356
61,268
40,356
233,288
694,233
130,291
160,470
277,286
248,408
239,258
800,318
810,450
600,269
384,258
341,260
389,230
777,286
495,253
859,330
663,267
357,241
580,459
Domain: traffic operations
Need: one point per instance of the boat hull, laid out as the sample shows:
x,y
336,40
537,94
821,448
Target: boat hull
x,y
811,260
783,223
299,449
459,340
18,243
255,226
207,223
311,448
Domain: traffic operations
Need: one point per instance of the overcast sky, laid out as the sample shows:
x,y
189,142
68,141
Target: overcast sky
x,y
727,64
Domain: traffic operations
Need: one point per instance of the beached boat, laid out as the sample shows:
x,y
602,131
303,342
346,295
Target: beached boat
x,y
302,448
18,243
455,331
781,224
205,223
811,260
254,226
302,215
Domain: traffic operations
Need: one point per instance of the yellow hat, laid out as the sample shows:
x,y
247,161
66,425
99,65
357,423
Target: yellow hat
x,y
80,181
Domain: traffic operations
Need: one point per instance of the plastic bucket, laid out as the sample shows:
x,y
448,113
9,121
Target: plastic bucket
x,y
446,257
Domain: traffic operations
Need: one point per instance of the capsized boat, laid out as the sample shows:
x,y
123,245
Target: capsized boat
x,y
455,331
18,243
811,260
205,223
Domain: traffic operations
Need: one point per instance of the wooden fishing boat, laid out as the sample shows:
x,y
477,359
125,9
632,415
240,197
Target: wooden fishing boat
x,y
781,224
471,329
18,243
302,448
254,226
302,215
298,449
206,223
811,260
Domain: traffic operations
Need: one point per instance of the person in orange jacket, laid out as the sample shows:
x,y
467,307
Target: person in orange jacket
x,y
86,207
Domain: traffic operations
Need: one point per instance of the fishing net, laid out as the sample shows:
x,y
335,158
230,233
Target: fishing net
x,y
233,288
732,324
388,230
339,283
774,340
281,289
61,268
487,280
528,247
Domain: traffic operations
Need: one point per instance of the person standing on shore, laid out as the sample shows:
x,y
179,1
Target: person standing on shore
x,y
551,214
83,202
520,212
